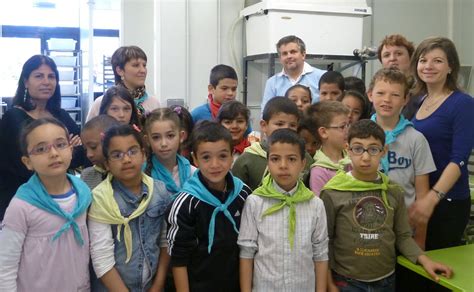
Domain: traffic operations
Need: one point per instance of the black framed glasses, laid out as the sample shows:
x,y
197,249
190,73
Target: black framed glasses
x,y
118,155
372,150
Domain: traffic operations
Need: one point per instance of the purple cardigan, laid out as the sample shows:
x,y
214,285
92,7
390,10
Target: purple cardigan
x,y
450,134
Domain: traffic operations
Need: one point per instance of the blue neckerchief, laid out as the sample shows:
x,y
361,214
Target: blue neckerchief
x,y
195,188
34,193
160,172
139,102
391,136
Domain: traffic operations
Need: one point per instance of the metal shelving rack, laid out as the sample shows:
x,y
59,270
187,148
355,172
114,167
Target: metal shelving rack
x,y
108,73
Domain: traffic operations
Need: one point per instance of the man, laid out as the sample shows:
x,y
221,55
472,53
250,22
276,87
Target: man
x,y
292,53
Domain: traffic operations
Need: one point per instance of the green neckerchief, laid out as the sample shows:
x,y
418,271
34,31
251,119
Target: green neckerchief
x,y
343,181
302,194
321,159
256,149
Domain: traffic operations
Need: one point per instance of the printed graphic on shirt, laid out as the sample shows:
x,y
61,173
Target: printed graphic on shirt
x,y
370,213
398,162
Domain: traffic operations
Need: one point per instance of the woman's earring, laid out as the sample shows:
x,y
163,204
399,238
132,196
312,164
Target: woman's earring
x,y
26,94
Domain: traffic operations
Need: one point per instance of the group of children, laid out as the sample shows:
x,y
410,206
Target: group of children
x,y
319,203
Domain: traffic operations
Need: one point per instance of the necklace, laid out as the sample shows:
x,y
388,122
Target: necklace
x,y
430,102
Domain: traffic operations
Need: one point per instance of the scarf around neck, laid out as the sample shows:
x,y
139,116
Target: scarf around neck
x,y
239,148
161,173
391,136
34,193
322,160
104,209
197,189
139,96
345,182
302,194
213,106
256,149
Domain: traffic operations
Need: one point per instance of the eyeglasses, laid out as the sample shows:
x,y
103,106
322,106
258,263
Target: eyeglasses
x,y
44,148
341,127
359,150
118,155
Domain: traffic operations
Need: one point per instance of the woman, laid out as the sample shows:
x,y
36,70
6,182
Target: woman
x,y
395,51
37,96
129,66
446,118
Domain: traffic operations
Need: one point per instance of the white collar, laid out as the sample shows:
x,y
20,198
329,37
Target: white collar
x,y
280,190
307,68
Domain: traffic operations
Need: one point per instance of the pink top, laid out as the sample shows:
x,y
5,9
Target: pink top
x,y
44,264
319,177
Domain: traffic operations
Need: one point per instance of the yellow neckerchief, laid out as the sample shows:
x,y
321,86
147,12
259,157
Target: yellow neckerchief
x,y
104,209
321,159
99,169
256,149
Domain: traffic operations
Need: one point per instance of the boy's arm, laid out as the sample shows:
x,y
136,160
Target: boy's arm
x,y
320,246
432,267
331,219
422,187
163,265
181,281
113,282
246,274
321,272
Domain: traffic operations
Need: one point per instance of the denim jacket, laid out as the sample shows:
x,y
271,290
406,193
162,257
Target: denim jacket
x,y
146,230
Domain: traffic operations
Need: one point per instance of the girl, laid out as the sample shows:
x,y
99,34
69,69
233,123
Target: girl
x,y
128,245
164,135
119,104
44,235
187,126
301,95
357,104
235,116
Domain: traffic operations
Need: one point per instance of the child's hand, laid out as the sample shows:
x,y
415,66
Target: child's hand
x,y
155,288
75,140
434,268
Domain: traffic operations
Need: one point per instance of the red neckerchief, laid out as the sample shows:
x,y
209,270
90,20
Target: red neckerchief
x,y
213,106
239,148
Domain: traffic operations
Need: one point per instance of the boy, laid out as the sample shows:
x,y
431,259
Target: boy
x,y
280,112
204,219
331,122
367,219
304,130
92,135
409,160
283,234
235,117
222,88
331,86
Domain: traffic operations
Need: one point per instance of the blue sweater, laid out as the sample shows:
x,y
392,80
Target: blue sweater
x,y
450,133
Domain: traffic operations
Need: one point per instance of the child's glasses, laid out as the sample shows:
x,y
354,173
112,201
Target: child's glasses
x,y
341,127
372,150
118,155
43,148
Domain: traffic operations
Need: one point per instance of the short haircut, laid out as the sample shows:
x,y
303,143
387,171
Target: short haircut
x,y
26,130
122,93
286,136
207,131
395,40
304,87
220,72
363,100
448,47
291,39
332,77
390,75
120,131
322,113
355,83
101,122
231,110
279,104
364,129
122,56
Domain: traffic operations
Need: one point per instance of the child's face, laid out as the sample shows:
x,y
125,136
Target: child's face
x,y
237,127
120,110
329,91
301,97
388,98
214,160
226,90
125,159
355,107
335,134
92,141
285,164
365,166
49,151
164,138
311,143
279,121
